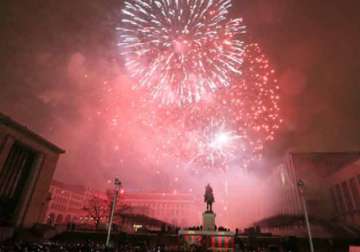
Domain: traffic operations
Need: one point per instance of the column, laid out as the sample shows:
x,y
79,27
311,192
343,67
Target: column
x,y
28,195
5,150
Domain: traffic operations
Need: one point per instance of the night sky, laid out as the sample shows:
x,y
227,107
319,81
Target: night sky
x,y
61,75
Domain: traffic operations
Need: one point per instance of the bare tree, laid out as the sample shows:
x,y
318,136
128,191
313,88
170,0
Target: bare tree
x,y
120,208
97,209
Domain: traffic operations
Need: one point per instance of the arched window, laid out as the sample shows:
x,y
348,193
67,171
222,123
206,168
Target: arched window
x,y
68,219
59,219
51,219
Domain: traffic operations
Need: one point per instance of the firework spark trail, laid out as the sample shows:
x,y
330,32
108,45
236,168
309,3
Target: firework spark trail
x,y
181,50
250,108
215,145
254,101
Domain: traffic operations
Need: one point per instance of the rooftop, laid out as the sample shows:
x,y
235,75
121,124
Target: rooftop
x,y
157,196
326,163
67,187
126,196
7,121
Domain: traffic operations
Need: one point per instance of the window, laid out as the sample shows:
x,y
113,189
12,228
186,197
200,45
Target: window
x,y
349,203
340,199
334,201
355,192
14,175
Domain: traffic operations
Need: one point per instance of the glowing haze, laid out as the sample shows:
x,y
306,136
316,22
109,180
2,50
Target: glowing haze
x,y
62,76
165,42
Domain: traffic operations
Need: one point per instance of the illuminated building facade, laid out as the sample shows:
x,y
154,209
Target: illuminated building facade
x,y
174,208
68,202
27,165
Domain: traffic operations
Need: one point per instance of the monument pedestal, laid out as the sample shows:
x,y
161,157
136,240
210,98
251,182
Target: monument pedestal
x,y
209,221
208,237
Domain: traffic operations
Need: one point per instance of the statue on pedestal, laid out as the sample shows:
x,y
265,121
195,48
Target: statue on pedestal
x,y
209,198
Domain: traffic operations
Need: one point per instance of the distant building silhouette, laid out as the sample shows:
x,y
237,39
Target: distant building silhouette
x,y
27,165
332,194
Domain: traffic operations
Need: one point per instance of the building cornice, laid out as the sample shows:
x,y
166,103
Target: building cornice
x,y
7,121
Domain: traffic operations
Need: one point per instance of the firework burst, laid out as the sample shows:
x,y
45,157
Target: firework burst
x,y
181,50
214,146
253,102
250,107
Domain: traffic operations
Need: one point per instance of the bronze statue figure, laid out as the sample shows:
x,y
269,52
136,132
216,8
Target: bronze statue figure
x,y
209,198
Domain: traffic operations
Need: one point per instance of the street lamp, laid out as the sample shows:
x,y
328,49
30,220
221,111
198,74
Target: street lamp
x,y
301,186
117,184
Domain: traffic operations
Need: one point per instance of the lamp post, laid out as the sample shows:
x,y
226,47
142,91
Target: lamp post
x,y
301,186
117,184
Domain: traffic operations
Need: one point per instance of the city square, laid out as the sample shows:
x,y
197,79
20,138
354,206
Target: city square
x,y
180,125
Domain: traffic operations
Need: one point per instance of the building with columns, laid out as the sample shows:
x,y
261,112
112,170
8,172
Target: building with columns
x,y
331,192
68,202
178,209
344,191
27,165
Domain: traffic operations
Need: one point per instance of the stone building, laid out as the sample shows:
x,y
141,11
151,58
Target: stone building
x,y
27,165
175,208
331,193
68,202
344,191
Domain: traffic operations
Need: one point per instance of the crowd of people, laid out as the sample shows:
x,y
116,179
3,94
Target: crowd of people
x,y
81,246
200,228
100,247
49,246
167,242
93,246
